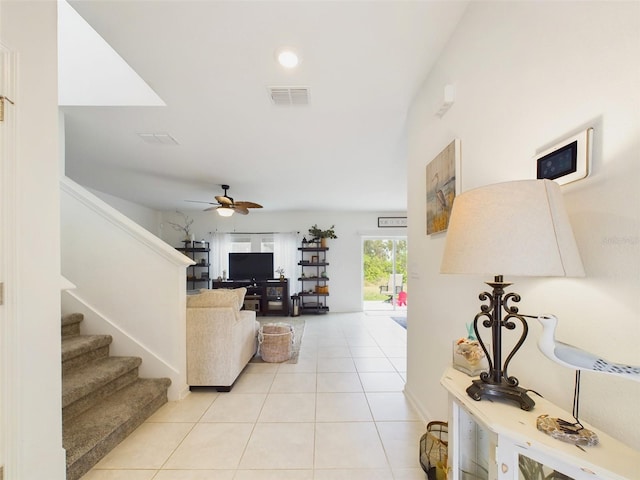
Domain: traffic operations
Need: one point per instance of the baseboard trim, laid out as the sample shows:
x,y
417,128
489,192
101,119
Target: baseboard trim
x,y
423,414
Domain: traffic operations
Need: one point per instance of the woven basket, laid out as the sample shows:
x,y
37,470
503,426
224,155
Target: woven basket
x,y
276,340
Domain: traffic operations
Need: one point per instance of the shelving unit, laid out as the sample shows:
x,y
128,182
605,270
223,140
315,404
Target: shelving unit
x,y
198,275
313,279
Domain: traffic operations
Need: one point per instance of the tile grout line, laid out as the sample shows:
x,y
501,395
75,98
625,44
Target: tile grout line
x,y
344,330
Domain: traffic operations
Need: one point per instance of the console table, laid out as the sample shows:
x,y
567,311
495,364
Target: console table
x,y
488,440
265,297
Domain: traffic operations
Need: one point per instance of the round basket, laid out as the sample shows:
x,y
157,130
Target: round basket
x,y
276,340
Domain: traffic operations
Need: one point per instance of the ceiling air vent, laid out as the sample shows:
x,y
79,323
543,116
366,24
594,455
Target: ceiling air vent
x,y
289,95
158,138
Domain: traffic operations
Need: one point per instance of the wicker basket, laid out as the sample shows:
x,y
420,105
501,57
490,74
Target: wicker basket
x,y
276,340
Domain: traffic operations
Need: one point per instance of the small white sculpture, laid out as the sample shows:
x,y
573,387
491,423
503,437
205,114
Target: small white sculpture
x,y
576,358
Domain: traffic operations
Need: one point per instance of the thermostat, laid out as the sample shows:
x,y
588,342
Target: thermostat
x,y
567,161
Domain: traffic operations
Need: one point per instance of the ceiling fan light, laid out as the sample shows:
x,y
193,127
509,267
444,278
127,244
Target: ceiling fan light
x,y
224,211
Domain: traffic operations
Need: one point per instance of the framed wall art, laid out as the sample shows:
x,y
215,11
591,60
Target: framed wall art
x,y
443,183
390,222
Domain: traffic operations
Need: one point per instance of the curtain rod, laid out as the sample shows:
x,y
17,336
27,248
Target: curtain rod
x,y
250,233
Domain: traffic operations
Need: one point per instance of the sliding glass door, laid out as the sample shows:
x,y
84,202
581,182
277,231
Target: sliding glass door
x,y
384,267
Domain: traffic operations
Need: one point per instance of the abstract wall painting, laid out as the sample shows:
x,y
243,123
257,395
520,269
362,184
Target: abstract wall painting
x,y
443,183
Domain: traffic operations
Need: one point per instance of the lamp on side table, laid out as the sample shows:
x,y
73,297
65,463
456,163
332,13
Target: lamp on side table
x,y
517,228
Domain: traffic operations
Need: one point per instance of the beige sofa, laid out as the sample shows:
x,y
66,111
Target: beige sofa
x,y
221,338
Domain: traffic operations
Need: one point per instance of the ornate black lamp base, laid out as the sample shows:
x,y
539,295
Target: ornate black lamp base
x,y
496,383
480,389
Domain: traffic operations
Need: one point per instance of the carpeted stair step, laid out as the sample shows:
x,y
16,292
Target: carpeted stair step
x,y
83,387
80,349
91,435
71,324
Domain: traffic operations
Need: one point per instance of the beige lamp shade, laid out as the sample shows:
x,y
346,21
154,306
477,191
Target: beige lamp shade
x,y
518,228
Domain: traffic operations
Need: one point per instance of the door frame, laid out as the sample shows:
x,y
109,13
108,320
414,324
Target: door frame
x,y
9,336
390,236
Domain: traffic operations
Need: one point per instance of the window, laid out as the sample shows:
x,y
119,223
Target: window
x,y
255,242
282,245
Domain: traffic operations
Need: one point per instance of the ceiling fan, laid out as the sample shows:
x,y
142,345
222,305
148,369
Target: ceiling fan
x,y
226,205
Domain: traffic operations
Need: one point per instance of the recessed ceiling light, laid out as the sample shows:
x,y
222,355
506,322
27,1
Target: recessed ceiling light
x,y
287,58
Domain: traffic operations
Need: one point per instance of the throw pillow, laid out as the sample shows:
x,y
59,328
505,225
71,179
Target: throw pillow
x,y
240,293
219,297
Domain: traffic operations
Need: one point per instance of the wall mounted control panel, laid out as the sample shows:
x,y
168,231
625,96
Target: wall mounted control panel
x,y
568,160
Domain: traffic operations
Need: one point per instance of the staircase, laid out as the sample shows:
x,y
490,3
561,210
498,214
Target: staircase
x,y
103,399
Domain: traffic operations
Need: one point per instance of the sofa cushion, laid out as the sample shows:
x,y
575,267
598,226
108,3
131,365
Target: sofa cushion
x,y
219,297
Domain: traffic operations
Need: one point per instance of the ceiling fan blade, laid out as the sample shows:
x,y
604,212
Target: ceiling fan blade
x,y
210,209
224,200
240,210
248,205
200,201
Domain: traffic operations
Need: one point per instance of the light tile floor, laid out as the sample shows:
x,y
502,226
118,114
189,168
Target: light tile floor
x,y
338,414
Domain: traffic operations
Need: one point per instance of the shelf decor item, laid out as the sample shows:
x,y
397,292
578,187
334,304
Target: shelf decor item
x,y
516,228
186,228
579,359
322,235
468,356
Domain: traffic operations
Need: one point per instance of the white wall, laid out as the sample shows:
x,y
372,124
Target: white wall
x,y
145,217
344,256
526,74
31,369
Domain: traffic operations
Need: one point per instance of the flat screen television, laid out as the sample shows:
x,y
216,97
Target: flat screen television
x,y
250,266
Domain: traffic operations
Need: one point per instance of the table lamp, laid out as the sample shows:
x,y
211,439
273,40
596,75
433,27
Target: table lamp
x,y
517,228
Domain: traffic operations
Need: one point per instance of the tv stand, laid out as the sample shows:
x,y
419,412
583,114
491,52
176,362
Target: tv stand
x,y
265,297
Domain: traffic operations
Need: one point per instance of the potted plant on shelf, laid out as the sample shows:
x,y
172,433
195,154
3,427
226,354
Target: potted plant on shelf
x,y
322,235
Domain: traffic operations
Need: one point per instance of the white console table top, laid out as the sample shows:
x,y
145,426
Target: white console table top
x,y
610,459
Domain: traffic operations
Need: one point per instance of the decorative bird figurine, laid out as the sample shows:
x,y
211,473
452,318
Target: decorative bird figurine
x,y
442,200
576,358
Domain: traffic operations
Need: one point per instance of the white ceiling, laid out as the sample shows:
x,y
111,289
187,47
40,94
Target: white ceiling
x,y
212,62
